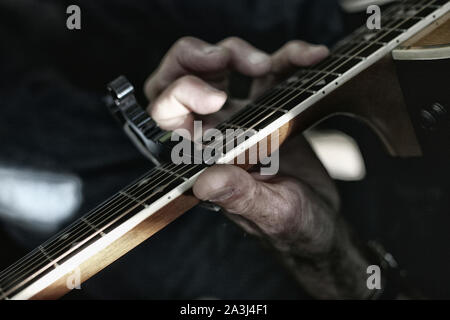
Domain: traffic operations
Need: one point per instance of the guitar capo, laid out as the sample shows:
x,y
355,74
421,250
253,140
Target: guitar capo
x,y
151,140
137,124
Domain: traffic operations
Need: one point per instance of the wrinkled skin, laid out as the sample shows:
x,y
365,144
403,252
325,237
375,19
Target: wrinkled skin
x,y
296,211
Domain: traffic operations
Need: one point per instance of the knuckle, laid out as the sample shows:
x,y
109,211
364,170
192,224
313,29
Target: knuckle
x,y
231,41
186,80
244,203
153,86
295,45
290,216
284,223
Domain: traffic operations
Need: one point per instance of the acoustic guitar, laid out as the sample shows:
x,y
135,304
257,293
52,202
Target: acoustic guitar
x,y
371,75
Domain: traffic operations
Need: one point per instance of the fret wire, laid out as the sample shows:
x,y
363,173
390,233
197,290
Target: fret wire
x,y
151,174
138,196
40,268
253,112
369,42
58,235
346,56
304,76
276,109
93,226
47,256
139,202
270,102
269,107
70,229
326,72
356,49
145,191
274,99
76,223
274,93
242,126
352,49
173,173
335,69
363,29
424,7
264,95
234,126
173,180
248,110
381,36
292,90
277,93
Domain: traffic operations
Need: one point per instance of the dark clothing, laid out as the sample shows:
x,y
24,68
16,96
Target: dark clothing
x,y
52,117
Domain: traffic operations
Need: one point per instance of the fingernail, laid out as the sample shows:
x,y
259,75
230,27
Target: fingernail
x,y
214,90
217,97
221,195
258,57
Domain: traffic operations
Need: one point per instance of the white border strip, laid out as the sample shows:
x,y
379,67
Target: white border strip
x,y
117,233
422,53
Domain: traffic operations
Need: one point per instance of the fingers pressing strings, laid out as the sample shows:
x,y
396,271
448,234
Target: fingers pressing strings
x,y
187,80
292,55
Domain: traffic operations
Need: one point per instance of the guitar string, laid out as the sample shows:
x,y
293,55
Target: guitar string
x,y
400,23
74,226
307,72
335,61
155,174
94,210
352,48
77,222
386,15
302,90
355,56
8,285
308,75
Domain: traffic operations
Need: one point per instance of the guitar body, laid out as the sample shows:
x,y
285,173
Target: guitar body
x,y
423,67
390,96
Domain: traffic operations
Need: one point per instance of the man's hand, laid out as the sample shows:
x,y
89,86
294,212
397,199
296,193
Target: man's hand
x,y
193,77
297,211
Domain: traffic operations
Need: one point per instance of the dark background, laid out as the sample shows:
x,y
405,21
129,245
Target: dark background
x,y
52,118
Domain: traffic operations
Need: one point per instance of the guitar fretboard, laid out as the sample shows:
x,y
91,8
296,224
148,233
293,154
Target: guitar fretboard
x,y
288,98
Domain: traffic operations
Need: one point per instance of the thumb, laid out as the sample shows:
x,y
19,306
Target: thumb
x,y
271,206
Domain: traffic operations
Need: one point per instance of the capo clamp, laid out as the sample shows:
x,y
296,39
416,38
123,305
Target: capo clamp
x,y
137,124
140,127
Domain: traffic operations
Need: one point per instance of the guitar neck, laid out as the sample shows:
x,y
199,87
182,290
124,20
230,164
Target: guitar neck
x,y
161,195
